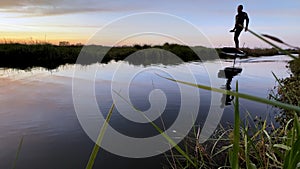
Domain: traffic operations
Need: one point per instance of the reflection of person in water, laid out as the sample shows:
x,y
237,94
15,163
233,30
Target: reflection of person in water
x,y
228,73
226,98
239,24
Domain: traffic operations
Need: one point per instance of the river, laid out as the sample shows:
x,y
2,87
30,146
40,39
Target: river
x,y
38,106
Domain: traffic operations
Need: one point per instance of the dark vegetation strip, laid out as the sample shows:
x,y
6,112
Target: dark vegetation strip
x,y
26,56
288,91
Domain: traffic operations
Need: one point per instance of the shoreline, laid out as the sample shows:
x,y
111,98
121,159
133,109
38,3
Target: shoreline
x,y
27,56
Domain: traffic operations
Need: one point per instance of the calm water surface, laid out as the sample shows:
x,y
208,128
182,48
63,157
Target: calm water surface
x,y
38,105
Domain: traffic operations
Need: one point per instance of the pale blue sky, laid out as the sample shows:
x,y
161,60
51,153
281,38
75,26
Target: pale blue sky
x,y
78,20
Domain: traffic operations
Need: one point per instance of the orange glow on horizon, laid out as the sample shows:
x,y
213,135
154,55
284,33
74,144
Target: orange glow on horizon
x,y
78,38
38,37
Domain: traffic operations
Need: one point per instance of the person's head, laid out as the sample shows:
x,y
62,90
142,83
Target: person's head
x,y
240,8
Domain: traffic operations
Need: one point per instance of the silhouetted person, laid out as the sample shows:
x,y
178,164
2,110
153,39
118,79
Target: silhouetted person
x,y
239,24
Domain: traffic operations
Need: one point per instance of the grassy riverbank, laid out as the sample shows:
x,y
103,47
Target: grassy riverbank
x,y
26,56
254,142
288,91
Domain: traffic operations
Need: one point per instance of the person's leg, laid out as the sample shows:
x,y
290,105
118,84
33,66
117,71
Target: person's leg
x,y
236,37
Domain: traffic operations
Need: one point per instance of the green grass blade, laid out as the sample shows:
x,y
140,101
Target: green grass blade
x,y
216,142
272,44
295,151
273,38
254,148
240,95
246,143
224,148
171,141
287,96
297,125
185,155
236,131
293,156
277,79
99,140
279,40
18,153
282,146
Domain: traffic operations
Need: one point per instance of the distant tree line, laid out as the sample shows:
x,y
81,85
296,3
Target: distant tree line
x,y
26,56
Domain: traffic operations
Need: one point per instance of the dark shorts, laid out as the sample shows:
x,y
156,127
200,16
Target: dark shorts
x,y
237,32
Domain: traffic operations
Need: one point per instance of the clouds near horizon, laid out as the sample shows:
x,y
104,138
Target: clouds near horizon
x,y
27,8
84,17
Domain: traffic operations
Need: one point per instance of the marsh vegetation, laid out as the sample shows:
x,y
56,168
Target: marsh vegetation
x,y
26,56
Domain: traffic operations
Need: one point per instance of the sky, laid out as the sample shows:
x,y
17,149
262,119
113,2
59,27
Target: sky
x,y
77,21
